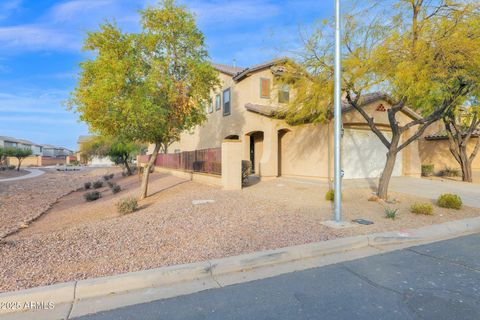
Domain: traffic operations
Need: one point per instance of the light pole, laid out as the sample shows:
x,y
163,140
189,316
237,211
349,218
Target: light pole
x,y
337,117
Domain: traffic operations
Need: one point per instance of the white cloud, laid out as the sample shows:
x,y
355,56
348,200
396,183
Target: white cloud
x,y
33,37
7,7
44,103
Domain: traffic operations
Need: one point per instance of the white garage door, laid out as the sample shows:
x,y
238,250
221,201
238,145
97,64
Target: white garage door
x,y
364,155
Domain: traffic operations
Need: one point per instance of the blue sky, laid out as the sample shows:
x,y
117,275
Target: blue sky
x,y
40,49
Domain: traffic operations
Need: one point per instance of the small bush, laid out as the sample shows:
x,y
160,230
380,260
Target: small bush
x,y
92,196
451,201
11,167
422,208
111,175
127,205
116,188
330,195
427,170
110,184
450,172
391,213
98,184
106,177
87,185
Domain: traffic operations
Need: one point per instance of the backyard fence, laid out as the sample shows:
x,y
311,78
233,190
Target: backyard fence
x,y
205,161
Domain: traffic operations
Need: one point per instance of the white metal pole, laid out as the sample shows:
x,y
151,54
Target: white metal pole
x,y
338,115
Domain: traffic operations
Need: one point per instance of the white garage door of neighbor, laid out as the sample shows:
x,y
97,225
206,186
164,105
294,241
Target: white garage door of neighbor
x,y
364,155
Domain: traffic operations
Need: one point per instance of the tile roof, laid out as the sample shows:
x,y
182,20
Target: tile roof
x,y
230,70
442,135
270,111
258,67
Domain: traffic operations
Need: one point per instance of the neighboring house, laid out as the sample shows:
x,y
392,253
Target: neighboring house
x,y
435,148
95,161
244,108
8,142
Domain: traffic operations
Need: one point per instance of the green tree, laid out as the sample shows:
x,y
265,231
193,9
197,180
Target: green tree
x,y
18,153
423,58
120,152
461,124
2,155
147,86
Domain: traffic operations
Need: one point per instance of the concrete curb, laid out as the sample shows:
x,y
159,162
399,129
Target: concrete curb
x,y
83,291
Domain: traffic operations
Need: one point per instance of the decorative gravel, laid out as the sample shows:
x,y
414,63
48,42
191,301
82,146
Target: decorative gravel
x,y
169,229
24,200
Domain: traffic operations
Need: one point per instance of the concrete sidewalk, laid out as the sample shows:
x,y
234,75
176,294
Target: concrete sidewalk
x,y
33,173
435,281
427,188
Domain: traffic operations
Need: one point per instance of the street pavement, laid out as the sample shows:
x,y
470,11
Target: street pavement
x,y
435,281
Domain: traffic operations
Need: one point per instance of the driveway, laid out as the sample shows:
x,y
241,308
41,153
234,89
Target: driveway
x,y
431,189
435,281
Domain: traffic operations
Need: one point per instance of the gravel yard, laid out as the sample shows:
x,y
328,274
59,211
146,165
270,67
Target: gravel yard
x,y
76,240
24,200
6,174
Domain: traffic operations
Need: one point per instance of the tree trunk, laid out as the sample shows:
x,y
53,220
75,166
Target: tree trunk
x,y
465,165
146,171
382,191
125,162
19,164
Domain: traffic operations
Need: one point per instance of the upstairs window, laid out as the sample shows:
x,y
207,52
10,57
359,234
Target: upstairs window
x,y
265,88
226,102
218,102
283,94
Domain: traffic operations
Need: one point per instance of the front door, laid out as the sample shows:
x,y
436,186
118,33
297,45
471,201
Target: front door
x,y
252,152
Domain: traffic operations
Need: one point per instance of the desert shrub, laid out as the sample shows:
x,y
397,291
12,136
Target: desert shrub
x,y
3,168
98,184
92,196
450,172
427,170
116,188
11,167
422,208
127,205
330,195
87,185
391,213
110,184
111,175
451,201
106,177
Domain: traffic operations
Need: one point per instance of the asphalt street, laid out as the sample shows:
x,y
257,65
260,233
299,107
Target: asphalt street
x,y
435,281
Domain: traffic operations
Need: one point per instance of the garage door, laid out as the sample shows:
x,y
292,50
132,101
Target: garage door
x,y
364,155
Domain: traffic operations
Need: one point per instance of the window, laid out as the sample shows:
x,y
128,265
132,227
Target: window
x,y
265,88
210,106
226,102
283,94
218,102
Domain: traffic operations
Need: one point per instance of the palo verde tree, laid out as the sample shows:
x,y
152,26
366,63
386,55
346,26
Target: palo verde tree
x,y
148,86
462,124
18,153
422,58
120,152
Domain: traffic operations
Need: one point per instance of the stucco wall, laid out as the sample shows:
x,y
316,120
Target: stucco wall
x,y
437,152
305,150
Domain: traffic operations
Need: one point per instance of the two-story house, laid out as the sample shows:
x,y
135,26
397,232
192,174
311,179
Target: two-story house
x,y
244,108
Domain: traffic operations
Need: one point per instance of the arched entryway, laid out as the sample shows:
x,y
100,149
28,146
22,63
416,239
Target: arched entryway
x,y
255,149
282,150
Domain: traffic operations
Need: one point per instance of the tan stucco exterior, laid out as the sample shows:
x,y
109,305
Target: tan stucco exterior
x,y
437,152
281,149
